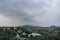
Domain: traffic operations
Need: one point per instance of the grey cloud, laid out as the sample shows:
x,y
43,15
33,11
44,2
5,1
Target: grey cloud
x,y
37,12
14,10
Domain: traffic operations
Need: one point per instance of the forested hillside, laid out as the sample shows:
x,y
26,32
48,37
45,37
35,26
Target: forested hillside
x,y
22,33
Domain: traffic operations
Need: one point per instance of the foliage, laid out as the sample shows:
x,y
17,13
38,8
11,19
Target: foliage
x,y
10,34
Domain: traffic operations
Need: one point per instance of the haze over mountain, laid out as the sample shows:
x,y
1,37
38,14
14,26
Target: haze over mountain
x,y
33,12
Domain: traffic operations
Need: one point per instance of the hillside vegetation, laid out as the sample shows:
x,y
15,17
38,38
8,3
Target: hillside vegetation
x,y
27,33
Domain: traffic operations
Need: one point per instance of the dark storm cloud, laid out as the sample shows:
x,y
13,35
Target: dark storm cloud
x,y
20,9
14,9
37,12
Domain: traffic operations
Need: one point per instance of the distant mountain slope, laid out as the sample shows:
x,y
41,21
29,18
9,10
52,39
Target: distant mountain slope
x,y
40,27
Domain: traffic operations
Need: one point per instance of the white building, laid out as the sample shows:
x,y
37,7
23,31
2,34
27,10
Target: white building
x,y
34,34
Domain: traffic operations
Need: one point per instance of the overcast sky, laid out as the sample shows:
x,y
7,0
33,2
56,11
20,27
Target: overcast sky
x,y
29,12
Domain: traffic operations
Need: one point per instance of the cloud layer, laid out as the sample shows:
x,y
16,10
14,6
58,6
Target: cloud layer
x,y
34,12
